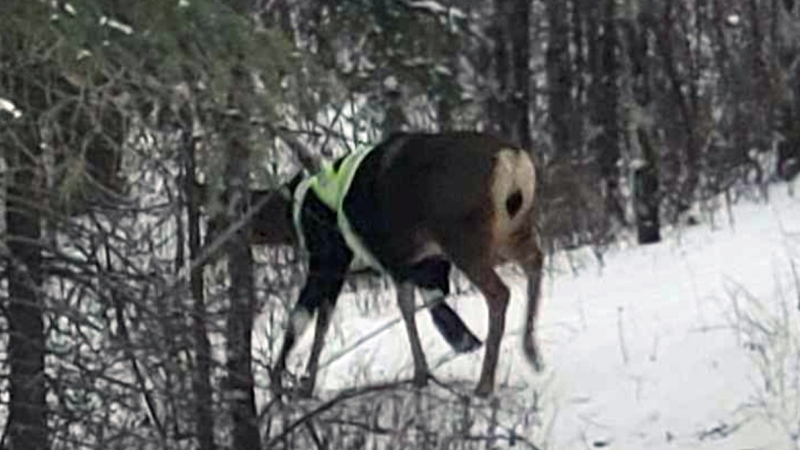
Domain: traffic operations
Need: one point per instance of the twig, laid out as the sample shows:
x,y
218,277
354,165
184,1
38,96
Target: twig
x,y
137,370
343,396
509,434
218,242
796,283
622,346
493,424
341,354
314,435
307,159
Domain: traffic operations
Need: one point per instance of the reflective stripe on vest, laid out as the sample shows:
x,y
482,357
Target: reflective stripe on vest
x,y
331,185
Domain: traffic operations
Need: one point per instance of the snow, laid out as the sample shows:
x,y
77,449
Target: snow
x,y
117,25
9,107
437,8
690,343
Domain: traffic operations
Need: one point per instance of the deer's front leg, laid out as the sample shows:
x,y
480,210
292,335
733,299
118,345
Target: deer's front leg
x,y
299,318
531,258
328,261
317,296
309,379
325,279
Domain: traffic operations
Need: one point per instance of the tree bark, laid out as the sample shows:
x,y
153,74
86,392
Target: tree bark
x,y
559,77
236,132
646,194
240,268
664,32
27,422
606,106
497,71
520,21
201,377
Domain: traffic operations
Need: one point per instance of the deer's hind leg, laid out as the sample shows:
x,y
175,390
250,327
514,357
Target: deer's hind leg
x,y
469,246
524,249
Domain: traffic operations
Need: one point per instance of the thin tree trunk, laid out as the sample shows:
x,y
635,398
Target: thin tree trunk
x,y
521,43
240,268
27,423
559,77
201,377
499,69
646,194
236,129
663,31
447,89
637,96
607,112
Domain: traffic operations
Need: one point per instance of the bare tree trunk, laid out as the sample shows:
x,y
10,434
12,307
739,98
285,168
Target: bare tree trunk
x,y
499,71
607,111
559,77
447,88
637,96
444,113
664,31
236,129
241,394
509,72
646,194
520,21
27,422
201,377
240,267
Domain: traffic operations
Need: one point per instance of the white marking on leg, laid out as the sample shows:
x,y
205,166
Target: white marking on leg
x,y
429,295
300,320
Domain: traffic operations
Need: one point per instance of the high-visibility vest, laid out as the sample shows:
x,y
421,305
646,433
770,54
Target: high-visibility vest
x,y
331,185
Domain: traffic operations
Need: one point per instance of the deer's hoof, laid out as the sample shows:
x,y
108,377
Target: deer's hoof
x,y
276,382
538,364
420,379
484,390
534,356
306,387
469,343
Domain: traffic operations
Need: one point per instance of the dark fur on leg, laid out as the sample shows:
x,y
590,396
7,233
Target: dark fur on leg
x,y
432,277
329,260
453,329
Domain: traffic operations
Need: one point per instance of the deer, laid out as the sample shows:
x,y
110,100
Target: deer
x,y
412,207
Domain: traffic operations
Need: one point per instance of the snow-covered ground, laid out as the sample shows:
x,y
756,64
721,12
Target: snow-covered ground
x,y
691,343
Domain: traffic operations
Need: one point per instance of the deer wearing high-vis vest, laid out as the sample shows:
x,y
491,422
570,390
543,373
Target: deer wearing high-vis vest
x,y
412,207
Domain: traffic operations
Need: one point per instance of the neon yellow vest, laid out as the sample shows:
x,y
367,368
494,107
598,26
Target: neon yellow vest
x,y
331,185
